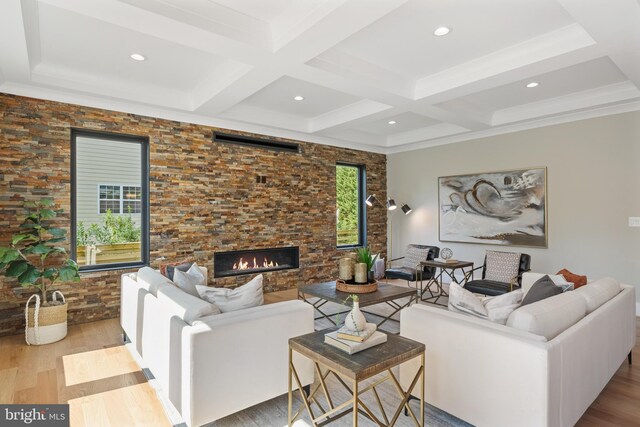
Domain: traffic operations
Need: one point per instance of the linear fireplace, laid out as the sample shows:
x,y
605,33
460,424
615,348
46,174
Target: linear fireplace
x,y
235,263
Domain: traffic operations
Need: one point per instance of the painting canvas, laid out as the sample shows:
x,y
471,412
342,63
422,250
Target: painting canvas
x,y
498,208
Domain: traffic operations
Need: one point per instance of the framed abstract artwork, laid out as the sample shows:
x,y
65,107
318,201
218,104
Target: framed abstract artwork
x,y
496,208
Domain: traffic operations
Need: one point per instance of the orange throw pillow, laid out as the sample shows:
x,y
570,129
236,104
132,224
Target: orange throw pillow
x,y
576,279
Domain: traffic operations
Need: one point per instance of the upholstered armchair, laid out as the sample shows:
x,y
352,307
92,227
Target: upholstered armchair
x,y
488,285
410,269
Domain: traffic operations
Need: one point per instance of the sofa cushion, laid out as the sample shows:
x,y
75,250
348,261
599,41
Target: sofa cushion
x,y
187,281
598,292
245,296
550,316
502,266
178,303
151,280
542,289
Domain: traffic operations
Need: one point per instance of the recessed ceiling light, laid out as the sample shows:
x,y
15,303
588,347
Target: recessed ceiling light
x,y
298,98
533,84
441,31
138,57
392,122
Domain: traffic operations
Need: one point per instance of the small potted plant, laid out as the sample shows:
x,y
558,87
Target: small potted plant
x,y
363,256
35,261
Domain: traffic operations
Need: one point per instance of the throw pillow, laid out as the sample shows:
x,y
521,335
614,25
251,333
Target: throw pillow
x,y
541,289
245,296
500,307
496,309
576,279
560,281
464,301
167,269
413,256
187,281
502,266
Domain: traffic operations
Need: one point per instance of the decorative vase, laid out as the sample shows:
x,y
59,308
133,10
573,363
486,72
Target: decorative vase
x,y
355,320
361,273
371,276
345,268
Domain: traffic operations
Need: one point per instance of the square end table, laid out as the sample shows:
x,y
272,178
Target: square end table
x,y
353,369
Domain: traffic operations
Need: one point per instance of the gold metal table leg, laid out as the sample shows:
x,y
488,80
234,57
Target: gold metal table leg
x,y
355,403
290,391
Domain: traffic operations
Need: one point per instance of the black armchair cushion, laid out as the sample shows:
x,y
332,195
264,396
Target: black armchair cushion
x,y
488,287
404,273
408,271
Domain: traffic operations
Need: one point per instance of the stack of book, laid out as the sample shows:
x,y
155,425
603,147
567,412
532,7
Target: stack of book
x,y
354,341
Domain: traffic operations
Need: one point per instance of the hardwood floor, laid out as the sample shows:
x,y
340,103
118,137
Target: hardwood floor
x,y
90,369
93,372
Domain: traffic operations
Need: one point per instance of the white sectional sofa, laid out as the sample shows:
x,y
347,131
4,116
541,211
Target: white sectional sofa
x,y
495,375
211,365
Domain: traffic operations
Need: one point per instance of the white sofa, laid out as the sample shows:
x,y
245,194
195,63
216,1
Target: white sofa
x,y
211,365
495,375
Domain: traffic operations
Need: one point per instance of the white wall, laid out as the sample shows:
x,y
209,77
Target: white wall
x,y
593,186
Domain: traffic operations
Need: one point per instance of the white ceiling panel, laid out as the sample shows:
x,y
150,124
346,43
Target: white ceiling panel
x,y
403,122
403,41
589,75
100,49
318,100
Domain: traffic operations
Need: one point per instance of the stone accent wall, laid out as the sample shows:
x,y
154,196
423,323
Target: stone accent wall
x,y
203,195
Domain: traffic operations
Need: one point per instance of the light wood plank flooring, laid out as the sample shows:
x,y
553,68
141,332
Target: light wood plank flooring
x,y
93,372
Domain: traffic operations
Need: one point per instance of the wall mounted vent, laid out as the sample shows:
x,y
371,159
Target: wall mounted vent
x,y
265,143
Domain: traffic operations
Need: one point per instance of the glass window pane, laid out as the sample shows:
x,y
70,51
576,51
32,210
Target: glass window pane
x,y
348,205
108,194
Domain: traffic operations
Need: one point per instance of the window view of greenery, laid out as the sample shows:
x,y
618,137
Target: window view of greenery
x,y
108,201
348,205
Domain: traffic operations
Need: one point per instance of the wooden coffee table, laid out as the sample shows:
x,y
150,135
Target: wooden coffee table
x,y
327,292
353,369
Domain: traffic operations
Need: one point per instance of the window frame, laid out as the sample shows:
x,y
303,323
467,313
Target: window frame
x,y
362,215
143,142
121,198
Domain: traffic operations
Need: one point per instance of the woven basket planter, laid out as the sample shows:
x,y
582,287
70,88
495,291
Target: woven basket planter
x,y
51,325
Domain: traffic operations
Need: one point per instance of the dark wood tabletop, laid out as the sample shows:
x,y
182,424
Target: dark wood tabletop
x,y
328,291
362,365
442,264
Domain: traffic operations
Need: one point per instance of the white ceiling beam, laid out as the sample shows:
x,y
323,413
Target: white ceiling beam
x,y
430,132
348,18
164,28
211,17
262,116
606,95
364,109
489,70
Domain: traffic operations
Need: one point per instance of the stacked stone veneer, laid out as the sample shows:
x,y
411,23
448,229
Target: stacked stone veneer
x,y
203,195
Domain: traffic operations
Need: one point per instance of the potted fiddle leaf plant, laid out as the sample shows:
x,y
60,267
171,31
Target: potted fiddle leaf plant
x,y
34,259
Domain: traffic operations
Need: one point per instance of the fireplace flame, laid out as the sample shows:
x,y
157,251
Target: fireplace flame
x,y
246,265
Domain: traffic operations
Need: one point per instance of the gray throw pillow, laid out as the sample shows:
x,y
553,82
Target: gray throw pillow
x,y
543,288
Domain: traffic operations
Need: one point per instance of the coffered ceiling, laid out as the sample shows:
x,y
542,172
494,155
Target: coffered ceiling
x,y
372,73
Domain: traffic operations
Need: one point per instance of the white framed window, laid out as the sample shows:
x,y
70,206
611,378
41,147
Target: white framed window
x,y
119,199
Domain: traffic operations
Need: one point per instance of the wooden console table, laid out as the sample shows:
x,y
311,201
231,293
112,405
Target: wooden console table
x,y
353,369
